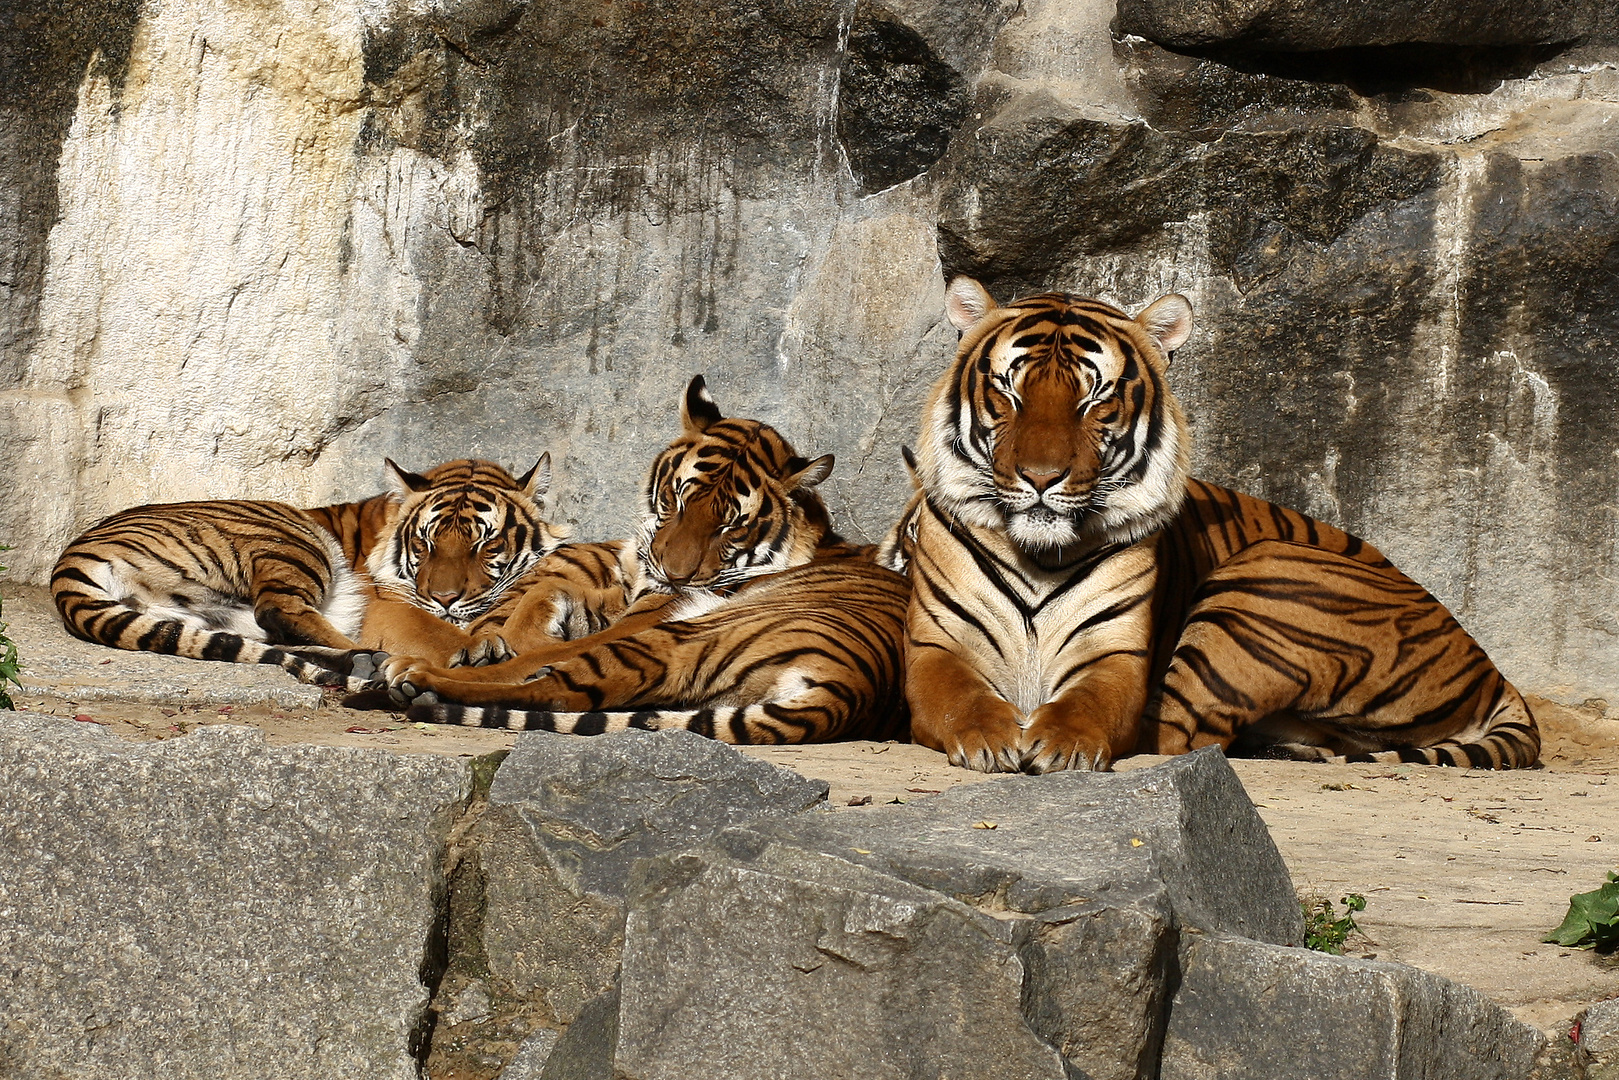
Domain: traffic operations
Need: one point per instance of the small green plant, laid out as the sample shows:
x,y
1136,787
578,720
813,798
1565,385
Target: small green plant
x,y
1324,931
9,670
1592,921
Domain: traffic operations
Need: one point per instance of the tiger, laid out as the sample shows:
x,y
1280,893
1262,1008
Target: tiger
x,y
1077,596
755,621
463,540
314,591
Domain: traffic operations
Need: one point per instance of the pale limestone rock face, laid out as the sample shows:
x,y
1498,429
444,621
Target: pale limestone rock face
x,y
192,296
252,249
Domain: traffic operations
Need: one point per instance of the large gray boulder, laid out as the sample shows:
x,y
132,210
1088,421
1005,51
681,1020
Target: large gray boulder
x,y
538,917
1022,927
214,907
1184,828
1247,1010
801,964
1313,26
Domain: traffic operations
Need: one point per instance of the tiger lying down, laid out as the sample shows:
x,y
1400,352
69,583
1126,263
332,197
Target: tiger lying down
x,y
744,616
313,591
1077,598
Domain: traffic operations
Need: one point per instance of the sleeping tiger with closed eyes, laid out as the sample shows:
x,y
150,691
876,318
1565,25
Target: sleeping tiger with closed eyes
x,y
313,591
1077,597
753,622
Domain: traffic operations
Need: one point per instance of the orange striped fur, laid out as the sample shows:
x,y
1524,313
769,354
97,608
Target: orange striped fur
x,y
742,614
1076,597
263,582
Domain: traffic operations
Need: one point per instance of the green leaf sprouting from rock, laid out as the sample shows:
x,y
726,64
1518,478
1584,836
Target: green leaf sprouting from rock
x,y
10,671
1592,921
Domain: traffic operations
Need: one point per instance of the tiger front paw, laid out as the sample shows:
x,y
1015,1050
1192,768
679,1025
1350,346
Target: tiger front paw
x,y
483,652
1057,740
408,680
982,736
366,665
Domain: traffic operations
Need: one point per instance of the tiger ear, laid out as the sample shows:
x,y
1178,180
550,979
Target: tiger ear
x,y
537,481
966,302
407,481
698,410
1169,320
806,474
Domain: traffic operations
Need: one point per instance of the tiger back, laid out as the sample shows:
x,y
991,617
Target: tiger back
x,y
1077,597
755,622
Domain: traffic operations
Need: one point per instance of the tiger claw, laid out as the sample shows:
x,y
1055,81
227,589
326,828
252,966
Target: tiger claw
x,y
486,651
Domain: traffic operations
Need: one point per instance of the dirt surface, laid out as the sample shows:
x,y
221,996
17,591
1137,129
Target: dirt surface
x,y
1463,871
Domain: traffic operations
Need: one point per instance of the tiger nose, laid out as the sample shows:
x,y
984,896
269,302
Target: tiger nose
x,y
445,597
1040,480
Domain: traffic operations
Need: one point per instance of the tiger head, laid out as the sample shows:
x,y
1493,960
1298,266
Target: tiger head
x,y
465,531
1055,422
729,500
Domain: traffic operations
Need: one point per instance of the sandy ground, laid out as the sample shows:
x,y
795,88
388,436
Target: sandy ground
x,y
1463,871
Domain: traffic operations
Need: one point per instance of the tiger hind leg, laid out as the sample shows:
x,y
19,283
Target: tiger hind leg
x,y
1510,739
1309,651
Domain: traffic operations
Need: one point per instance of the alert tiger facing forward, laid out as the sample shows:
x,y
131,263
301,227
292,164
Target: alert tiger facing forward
x,y
264,582
1077,598
754,622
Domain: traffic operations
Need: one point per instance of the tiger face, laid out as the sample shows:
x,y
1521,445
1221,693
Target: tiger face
x,y
728,500
465,532
1056,423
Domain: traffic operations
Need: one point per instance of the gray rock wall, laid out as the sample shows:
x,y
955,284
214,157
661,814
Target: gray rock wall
x,y
249,250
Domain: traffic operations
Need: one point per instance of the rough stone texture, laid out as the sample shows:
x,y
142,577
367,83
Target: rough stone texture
x,y
254,249
1598,1050
530,1060
799,964
1185,826
1247,1009
907,939
585,1051
209,906
1287,25
567,819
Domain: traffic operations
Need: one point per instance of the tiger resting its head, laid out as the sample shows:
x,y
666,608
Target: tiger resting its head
x,y
729,500
464,533
1055,423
